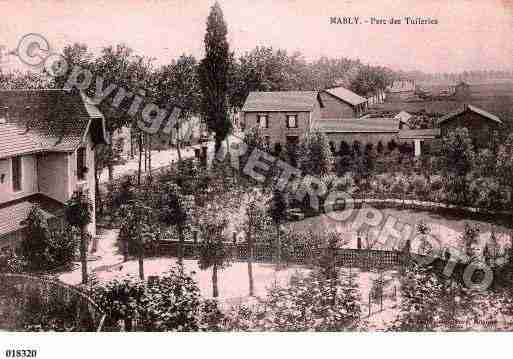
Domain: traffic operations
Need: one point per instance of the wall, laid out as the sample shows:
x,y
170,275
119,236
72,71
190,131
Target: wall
x,y
53,175
480,128
335,108
278,130
363,138
29,179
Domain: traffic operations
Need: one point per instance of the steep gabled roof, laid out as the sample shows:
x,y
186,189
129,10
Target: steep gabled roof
x,y
470,108
346,95
358,125
46,120
301,101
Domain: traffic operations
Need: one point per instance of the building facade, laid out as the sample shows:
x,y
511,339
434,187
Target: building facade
x,y
283,117
47,140
482,125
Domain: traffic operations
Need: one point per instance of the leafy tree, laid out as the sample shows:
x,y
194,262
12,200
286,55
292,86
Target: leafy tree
x,y
391,145
380,147
253,139
43,247
138,227
315,155
213,74
177,84
420,307
505,166
174,208
457,160
356,148
469,239
256,227
213,252
345,149
278,214
78,214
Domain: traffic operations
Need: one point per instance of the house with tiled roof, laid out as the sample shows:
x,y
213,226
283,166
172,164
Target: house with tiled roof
x,y
47,140
283,116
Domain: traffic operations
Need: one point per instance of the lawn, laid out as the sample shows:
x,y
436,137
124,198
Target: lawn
x,y
446,228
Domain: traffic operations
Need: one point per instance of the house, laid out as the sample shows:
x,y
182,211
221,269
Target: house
x,y
401,90
340,102
47,140
481,124
283,116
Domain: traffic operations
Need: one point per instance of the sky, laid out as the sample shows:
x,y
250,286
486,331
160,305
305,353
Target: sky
x,y
470,35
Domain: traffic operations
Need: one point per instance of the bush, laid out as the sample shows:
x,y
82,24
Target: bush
x,y
308,303
43,247
169,303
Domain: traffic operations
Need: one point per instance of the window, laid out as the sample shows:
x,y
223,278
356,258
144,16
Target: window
x,y
262,121
16,174
81,163
291,121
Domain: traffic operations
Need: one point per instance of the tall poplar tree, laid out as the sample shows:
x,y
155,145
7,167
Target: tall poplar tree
x,y
213,74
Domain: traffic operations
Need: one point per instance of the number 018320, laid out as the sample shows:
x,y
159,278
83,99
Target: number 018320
x,y
21,353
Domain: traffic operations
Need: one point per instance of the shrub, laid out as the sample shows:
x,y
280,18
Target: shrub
x,y
43,247
309,302
169,303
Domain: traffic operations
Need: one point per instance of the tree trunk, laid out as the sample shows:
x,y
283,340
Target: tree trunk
x,y
141,258
250,266
99,202
83,254
215,290
110,169
140,160
181,243
178,144
149,156
278,245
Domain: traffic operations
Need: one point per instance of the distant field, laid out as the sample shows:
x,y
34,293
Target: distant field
x,y
496,98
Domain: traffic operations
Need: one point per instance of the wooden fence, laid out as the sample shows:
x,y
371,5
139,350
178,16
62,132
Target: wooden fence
x,y
295,254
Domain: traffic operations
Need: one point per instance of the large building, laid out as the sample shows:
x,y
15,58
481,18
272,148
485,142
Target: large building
x,y
282,116
285,116
47,140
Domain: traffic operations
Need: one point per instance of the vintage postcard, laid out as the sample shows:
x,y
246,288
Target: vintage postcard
x,y
255,166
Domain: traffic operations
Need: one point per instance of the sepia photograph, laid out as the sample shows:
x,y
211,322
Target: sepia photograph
x,y
241,166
